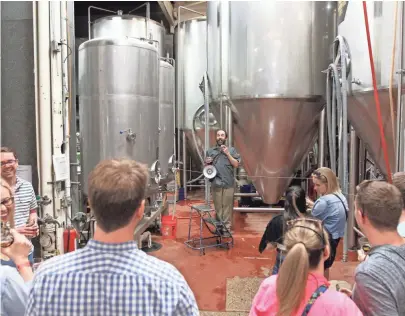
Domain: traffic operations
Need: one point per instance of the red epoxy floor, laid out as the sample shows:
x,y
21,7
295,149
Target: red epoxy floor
x,y
207,274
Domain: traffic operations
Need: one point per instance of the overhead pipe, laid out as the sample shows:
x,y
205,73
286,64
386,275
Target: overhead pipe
x,y
376,97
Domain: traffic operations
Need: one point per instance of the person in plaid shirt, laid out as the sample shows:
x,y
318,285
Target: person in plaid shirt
x,y
111,276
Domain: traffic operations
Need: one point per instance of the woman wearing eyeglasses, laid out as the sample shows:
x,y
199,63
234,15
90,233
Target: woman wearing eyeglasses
x,y
7,217
300,287
331,208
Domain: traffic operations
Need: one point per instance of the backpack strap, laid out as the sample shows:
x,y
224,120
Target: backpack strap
x,y
318,292
343,205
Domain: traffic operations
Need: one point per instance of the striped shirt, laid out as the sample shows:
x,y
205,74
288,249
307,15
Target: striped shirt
x,y
25,200
109,280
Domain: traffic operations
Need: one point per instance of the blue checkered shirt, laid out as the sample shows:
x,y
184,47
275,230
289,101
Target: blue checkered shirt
x,y
109,280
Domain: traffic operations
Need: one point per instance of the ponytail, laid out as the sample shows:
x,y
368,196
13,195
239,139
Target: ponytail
x,y
292,280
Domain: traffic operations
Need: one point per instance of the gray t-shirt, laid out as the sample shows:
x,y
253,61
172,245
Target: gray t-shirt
x,y
225,178
380,282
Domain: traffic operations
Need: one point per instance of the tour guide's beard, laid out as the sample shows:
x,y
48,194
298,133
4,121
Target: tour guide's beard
x,y
220,142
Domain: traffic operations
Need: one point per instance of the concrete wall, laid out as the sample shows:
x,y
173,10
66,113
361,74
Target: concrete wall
x,y
17,82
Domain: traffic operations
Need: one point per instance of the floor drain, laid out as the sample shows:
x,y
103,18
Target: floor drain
x,y
155,246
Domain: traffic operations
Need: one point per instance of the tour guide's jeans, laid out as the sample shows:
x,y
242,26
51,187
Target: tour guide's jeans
x,y
223,203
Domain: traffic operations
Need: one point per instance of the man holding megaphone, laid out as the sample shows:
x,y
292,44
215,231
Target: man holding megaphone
x,y
224,159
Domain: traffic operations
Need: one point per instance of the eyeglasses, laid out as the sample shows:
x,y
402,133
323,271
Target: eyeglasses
x,y
8,201
8,162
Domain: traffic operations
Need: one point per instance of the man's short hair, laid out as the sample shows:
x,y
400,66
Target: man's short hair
x,y
399,181
117,188
222,130
381,202
8,150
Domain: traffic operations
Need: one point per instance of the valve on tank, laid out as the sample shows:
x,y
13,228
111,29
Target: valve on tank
x,y
131,136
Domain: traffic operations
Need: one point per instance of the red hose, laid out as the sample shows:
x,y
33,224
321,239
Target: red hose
x,y
376,98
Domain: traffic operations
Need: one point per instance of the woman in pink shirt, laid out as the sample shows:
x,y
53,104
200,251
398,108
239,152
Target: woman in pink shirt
x,y
300,287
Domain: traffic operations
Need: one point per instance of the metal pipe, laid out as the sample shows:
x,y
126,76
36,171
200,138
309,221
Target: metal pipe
x,y
195,3
246,194
44,104
89,16
195,185
196,179
358,231
329,120
321,139
224,71
184,166
66,101
175,165
400,139
275,210
207,135
74,177
36,88
344,162
147,4
353,181
362,162
187,9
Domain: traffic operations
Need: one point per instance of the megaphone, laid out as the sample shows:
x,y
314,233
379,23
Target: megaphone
x,y
210,172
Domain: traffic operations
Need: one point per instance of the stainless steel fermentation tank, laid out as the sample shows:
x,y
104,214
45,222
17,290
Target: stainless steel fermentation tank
x,y
361,107
132,26
119,103
265,61
166,121
191,64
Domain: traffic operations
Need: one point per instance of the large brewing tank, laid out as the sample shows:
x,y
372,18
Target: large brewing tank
x,y
266,58
119,103
131,26
166,122
361,110
191,64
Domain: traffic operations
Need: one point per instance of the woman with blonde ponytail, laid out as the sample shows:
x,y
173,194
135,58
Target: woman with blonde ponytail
x,y
300,287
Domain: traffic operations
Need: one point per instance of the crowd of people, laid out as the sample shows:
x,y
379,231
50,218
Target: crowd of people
x,y
111,276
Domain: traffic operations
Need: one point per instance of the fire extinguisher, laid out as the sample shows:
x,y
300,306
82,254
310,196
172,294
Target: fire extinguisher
x,y
69,239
